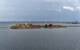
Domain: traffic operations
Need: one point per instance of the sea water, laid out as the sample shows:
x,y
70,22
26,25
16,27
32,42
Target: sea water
x,y
39,39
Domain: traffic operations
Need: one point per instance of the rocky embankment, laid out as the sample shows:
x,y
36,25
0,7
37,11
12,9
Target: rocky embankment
x,y
31,26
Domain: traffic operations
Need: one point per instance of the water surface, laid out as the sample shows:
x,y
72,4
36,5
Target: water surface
x,y
39,39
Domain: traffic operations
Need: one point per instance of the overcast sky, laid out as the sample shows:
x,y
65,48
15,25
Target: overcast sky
x,y
39,10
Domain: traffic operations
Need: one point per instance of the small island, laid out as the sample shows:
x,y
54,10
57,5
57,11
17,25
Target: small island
x,y
32,26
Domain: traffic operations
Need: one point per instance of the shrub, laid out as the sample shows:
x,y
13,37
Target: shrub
x,y
13,27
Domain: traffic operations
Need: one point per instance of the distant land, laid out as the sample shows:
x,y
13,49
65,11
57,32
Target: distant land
x,y
66,22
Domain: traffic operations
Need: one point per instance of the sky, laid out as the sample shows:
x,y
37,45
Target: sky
x,y
39,10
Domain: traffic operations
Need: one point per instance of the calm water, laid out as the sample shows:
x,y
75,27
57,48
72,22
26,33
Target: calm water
x,y
39,39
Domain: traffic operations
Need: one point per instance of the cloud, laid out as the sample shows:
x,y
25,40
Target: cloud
x,y
75,8
68,8
78,7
